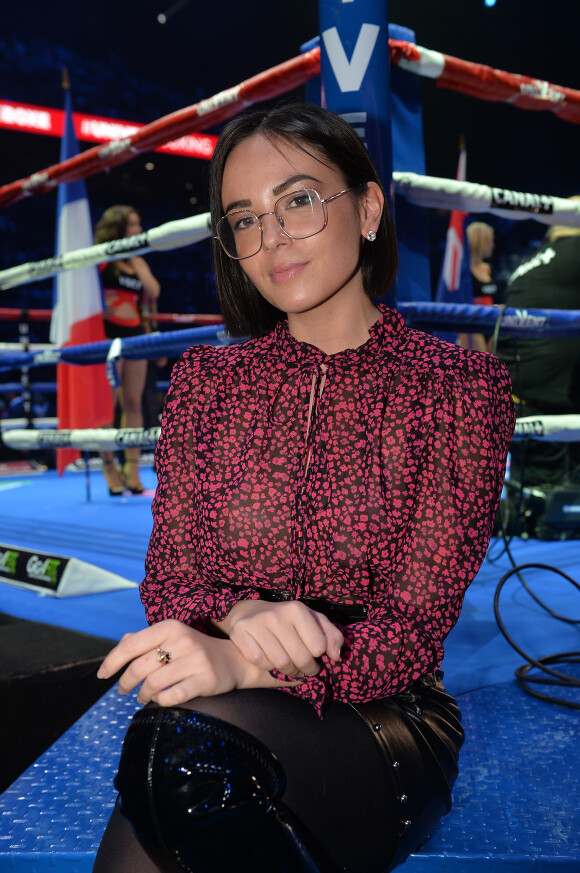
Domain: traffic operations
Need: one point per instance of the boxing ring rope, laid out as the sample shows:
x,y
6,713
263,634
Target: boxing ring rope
x,y
89,440
451,194
420,190
548,428
155,345
442,316
476,80
473,79
197,318
207,113
165,237
487,83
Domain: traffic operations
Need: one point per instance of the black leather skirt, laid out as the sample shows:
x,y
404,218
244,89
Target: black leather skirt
x,y
420,735
419,732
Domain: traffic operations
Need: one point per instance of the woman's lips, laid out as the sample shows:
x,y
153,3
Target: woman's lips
x,y
283,272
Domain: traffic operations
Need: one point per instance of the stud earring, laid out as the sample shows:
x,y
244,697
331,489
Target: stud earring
x,y
371,236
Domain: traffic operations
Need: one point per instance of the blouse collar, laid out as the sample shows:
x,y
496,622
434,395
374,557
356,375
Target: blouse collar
x,y
382,333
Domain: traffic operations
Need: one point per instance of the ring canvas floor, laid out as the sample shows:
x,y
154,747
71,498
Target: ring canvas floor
x,y
517,798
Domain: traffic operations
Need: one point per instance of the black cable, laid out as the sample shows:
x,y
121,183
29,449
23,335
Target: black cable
x,y
561,680
497,328
516,569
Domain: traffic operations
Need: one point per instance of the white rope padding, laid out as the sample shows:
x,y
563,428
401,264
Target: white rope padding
x,y
549,428
450,194
426,191
171,235
15,423
31,347
429,63
89,440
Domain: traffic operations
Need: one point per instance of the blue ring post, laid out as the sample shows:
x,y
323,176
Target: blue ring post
x,y
355,71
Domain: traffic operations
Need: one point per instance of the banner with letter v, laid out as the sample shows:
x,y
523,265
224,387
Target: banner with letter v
x,y
355,71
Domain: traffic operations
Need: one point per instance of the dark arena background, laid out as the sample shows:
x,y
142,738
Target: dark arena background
x,y
517,799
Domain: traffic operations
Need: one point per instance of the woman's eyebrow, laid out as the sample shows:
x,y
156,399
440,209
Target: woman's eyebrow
x,y
277,190
299,177
237,204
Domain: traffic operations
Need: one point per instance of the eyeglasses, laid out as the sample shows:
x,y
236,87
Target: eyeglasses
x,y
299,214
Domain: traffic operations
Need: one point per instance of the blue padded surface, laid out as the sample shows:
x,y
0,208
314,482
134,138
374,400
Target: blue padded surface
x,y
56,811
516,801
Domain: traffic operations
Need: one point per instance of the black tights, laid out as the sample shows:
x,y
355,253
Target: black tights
x,y
338,782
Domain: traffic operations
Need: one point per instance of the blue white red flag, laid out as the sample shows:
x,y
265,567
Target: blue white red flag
x,y
84,395
455,283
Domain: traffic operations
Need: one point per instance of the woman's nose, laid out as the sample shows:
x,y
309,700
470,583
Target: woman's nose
x,y
272,233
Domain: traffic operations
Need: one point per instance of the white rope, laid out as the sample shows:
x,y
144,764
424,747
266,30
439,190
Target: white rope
x,y
427,191
89,440
171,235
15,423
450,194
431,63
549,428
31,347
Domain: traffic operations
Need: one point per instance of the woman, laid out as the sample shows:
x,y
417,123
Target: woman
x,y
126,284
480,237
326,494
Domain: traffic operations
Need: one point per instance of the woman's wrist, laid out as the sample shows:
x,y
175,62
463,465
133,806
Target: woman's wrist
x,y
225,625
249,675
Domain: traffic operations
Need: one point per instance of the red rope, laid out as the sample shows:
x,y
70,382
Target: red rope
x,y
160,317
485,83
476,80
270,83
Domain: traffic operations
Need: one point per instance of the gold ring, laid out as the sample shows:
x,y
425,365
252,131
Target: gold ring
x,y
163,657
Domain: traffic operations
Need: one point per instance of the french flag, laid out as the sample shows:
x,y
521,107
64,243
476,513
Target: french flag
x,y
455,283
84,395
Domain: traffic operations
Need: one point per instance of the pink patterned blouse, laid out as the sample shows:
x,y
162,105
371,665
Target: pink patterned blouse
x,y
368,477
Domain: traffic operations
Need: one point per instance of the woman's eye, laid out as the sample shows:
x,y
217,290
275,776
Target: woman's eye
x,y
299,200
244,222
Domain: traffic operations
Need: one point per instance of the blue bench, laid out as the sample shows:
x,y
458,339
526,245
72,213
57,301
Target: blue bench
x,y
516,802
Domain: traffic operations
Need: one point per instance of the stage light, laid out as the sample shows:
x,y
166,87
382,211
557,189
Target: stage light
x,y
489,2
164,17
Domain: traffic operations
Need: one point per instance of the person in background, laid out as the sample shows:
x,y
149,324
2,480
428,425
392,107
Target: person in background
x,y
326,493
480,237
545,371
126,284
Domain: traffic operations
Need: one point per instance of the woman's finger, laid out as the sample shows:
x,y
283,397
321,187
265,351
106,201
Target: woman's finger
x,y
265,650
316,636
334,637
135,645
141,669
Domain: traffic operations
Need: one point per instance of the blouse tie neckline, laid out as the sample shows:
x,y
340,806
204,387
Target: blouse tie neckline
x,y
304,355
301,357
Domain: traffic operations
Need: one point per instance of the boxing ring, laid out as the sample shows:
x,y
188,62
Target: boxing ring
x,y
517,798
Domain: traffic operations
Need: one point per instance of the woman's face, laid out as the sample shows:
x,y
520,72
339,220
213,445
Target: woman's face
x,y
296,276
133,224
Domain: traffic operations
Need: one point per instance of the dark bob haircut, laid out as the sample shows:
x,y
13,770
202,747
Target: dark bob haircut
x,y
331,140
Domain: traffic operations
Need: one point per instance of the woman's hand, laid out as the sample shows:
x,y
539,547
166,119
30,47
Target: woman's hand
x,y
288,636
199,666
